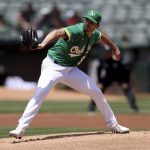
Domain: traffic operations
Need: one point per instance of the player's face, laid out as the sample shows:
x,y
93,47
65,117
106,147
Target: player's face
x,y
89,25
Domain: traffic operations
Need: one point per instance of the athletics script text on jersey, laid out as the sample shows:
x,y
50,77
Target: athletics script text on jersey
x,y
76,51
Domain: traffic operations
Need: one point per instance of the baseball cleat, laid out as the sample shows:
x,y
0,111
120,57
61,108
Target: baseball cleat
x,y
120,129
17,133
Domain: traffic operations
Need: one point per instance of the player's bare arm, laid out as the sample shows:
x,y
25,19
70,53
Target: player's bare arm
x,y
115,50
52,36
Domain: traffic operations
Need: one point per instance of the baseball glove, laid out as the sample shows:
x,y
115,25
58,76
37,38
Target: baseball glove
x,y
29,39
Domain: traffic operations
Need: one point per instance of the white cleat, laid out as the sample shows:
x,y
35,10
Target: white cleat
x,y
17,133
120,129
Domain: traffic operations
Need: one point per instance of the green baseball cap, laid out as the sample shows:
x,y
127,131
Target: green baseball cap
x,y
94,16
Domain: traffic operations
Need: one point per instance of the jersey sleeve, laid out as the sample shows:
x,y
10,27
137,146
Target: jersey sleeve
x,y
68,33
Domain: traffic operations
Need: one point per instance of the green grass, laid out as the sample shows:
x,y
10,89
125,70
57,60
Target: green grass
x,y
4,131
121,107
47,107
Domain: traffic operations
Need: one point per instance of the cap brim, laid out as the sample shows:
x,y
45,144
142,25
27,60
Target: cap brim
x,y
90,18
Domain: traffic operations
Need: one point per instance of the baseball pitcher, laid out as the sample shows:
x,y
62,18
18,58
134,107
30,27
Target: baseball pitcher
x,y
61,65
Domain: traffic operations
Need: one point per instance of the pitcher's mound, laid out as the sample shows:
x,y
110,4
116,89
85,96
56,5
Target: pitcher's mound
x,y
80,141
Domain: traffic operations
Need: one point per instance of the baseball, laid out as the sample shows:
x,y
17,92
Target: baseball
x,y
114,57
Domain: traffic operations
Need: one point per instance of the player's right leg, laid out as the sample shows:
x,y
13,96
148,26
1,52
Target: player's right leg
x,y
51,74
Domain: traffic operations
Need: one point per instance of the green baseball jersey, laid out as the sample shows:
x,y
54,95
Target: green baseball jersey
x,y
71,52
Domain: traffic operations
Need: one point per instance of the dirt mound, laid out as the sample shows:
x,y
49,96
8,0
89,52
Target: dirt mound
x,y
80,141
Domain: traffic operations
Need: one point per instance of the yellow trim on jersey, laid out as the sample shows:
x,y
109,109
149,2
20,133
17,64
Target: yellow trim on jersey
x,y
67,32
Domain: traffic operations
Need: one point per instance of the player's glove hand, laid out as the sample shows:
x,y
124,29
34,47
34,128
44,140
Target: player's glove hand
x,y
29,39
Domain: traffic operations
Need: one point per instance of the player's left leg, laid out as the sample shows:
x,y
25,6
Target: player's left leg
x,y
81,82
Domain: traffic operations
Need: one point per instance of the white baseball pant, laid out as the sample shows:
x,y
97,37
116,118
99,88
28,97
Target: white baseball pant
x,y
51,74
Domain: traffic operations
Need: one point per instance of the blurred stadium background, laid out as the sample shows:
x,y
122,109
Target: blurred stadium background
x,y
120,17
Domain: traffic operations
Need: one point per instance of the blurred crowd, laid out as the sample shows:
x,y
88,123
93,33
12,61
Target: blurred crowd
x,y
44,20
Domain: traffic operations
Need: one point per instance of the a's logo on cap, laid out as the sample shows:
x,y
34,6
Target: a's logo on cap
x,y
91,13
94,15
